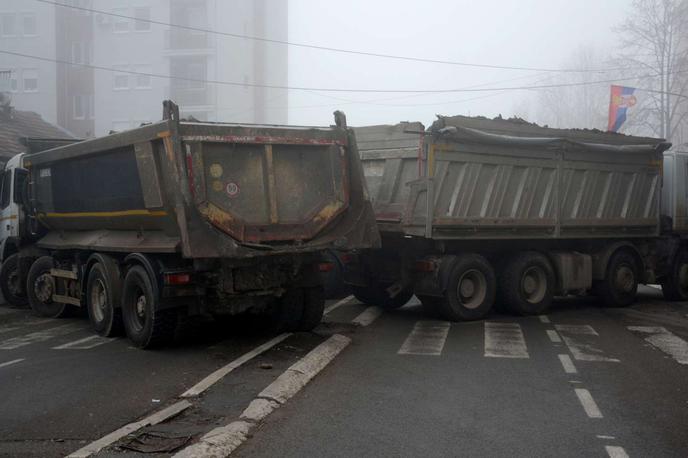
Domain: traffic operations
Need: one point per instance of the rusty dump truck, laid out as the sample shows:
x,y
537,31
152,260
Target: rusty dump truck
x,y
474,212
176,218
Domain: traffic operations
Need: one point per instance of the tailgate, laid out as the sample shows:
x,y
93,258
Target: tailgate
x,y
269,185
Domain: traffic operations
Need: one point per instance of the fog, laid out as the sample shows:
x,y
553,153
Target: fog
x,y
107,65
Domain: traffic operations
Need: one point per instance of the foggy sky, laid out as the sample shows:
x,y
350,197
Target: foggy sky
x,y
533,33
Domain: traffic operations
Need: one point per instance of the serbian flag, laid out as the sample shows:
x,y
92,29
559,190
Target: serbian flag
x,y
621,100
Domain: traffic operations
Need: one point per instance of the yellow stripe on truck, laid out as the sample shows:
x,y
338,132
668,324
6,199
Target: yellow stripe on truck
x,y
106,214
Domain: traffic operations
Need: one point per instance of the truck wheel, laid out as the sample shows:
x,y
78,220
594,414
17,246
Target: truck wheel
x,y
287,311
674,286
470,289
145,324
11,285
313,308
620,283
527,284
40,287
103,300
376,294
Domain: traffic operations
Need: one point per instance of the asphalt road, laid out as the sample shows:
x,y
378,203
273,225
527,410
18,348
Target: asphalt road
x,y
571,383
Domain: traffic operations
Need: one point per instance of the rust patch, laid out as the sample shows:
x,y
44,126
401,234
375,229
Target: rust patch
x,y
328,211
216,215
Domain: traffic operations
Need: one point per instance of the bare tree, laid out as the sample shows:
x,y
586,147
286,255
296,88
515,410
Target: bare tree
x,y
654,41
581,105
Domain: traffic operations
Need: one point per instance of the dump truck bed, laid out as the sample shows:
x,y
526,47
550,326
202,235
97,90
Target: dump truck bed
x,y
473,178
205,189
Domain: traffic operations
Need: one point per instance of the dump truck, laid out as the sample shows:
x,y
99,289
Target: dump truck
x,y
174,219
476,211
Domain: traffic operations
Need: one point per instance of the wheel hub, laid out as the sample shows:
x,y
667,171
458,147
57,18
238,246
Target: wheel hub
x,y
472,289
624,278
99,300
467,287
13,283
141,306
43,287
534,284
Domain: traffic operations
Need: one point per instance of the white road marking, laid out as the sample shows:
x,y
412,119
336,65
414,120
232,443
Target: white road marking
x,y
426,338
567,364
505,340
158,417
580,346
610,438
588,403
85,343
213,378
665,341
224,440
615,451
338,304
369,315
9,363
39,336
553,336
8,329
544,319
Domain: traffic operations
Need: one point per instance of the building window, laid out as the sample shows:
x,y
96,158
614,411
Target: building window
x,y
7,26
143,81
120,80
13,81
80,106
29,24
142,16
30,80
120,24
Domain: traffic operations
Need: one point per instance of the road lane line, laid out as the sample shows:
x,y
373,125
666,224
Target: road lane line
x,y
580,346
615,452
39,336
224,440
665,341
3,330
588,403
154,419
338,304
9,363
567,364
367,317
504,340
553,336
544,319
85,343
426,338
609,438
213,378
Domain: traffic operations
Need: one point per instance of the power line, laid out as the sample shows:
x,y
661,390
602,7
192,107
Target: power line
x,y
341,90
333,49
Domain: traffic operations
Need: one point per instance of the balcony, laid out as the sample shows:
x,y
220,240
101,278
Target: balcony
x,y
187,97
188,42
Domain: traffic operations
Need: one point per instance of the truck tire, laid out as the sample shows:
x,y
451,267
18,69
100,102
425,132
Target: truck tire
x,y
145,324
103,300
376,294
12,286
527,284
620,284
470,291
40,287
287,311
675,285
313,308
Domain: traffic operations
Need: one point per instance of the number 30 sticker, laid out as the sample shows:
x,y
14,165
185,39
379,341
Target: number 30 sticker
x,y
232,189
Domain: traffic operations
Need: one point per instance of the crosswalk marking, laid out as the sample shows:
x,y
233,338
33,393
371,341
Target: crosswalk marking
x,y
505,340
426,338
665,341
367,316
614,451
39,336
544,319
9,363
8,329
580,346
85,343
